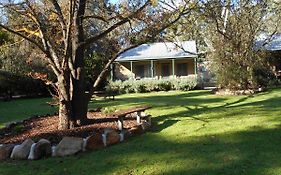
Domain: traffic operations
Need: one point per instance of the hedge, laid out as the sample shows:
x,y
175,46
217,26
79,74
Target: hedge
x,y
149,85
11,84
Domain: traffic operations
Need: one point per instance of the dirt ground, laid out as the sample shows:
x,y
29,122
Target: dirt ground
x,y
46,127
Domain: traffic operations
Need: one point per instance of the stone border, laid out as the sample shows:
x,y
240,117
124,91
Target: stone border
x,y
29,150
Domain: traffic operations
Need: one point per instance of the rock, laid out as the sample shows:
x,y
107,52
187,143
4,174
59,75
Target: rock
x,y
15,149
124,135
107,130
112,138
31,152
84,144
69,146
122,138
22,151
94,142
104,139
5,151
40,149
136,130
53,151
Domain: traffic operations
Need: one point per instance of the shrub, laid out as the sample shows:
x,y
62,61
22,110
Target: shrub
x,y
165,85
149,85
11,84
108,110
185,84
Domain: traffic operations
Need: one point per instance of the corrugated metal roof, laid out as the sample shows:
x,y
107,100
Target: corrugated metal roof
x,y
273,45
156,51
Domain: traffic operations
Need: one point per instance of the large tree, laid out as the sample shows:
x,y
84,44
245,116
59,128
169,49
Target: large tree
x,y
62,30
227,33
235,28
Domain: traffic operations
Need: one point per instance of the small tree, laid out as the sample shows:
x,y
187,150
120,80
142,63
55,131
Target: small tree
x,y
64,29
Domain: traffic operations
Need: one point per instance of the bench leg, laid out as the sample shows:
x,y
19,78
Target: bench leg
x,y
120,124
139,117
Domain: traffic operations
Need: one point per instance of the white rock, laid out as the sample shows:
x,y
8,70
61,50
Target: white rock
x,y
121,137
69,146
85,140
107,130
104,139
22,151
16,148
53,151
31,152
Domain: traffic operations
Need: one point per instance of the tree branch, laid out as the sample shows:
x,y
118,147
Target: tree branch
x,y
52,55
60,16
146,39
116,25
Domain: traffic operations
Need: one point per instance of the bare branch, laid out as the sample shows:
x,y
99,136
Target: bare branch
x,y
60,16
116,25
53,57
23,36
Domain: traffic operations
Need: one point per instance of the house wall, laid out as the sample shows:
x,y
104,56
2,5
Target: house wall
x,y
189,63
158,73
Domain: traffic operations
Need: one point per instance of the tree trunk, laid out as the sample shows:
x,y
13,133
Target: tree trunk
x,y
66,120
72,112
65,115
79,99
79,103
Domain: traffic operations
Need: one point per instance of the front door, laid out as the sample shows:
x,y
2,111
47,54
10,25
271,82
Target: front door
x,y
165,69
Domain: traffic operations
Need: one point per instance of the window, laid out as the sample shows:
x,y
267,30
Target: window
x,y
165,70
140,71
182,69
143,70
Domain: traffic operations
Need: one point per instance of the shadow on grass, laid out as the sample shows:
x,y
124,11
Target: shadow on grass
x,y
160,100
255,151
196,103
252,152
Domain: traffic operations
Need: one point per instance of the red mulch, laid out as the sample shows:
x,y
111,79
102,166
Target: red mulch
x,y
46,127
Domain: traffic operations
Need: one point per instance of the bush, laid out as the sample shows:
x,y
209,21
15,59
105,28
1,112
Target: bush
x,y
11,84
149,85
185,84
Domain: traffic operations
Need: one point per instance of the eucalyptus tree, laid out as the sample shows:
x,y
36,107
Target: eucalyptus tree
x,y
63,30
235,27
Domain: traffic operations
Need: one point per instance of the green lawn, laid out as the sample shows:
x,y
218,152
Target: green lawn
x,y
193,133
17,110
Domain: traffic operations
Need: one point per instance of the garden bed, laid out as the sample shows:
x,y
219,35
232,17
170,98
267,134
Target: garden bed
x,y
46,127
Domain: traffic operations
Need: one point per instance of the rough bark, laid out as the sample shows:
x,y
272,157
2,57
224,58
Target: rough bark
x,y
79,100
65,107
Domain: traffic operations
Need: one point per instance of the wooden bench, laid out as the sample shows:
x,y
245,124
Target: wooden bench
x,y
106,94
121,114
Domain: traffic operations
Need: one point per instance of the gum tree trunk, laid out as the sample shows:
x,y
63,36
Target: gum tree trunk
x,y
65,107
73,102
